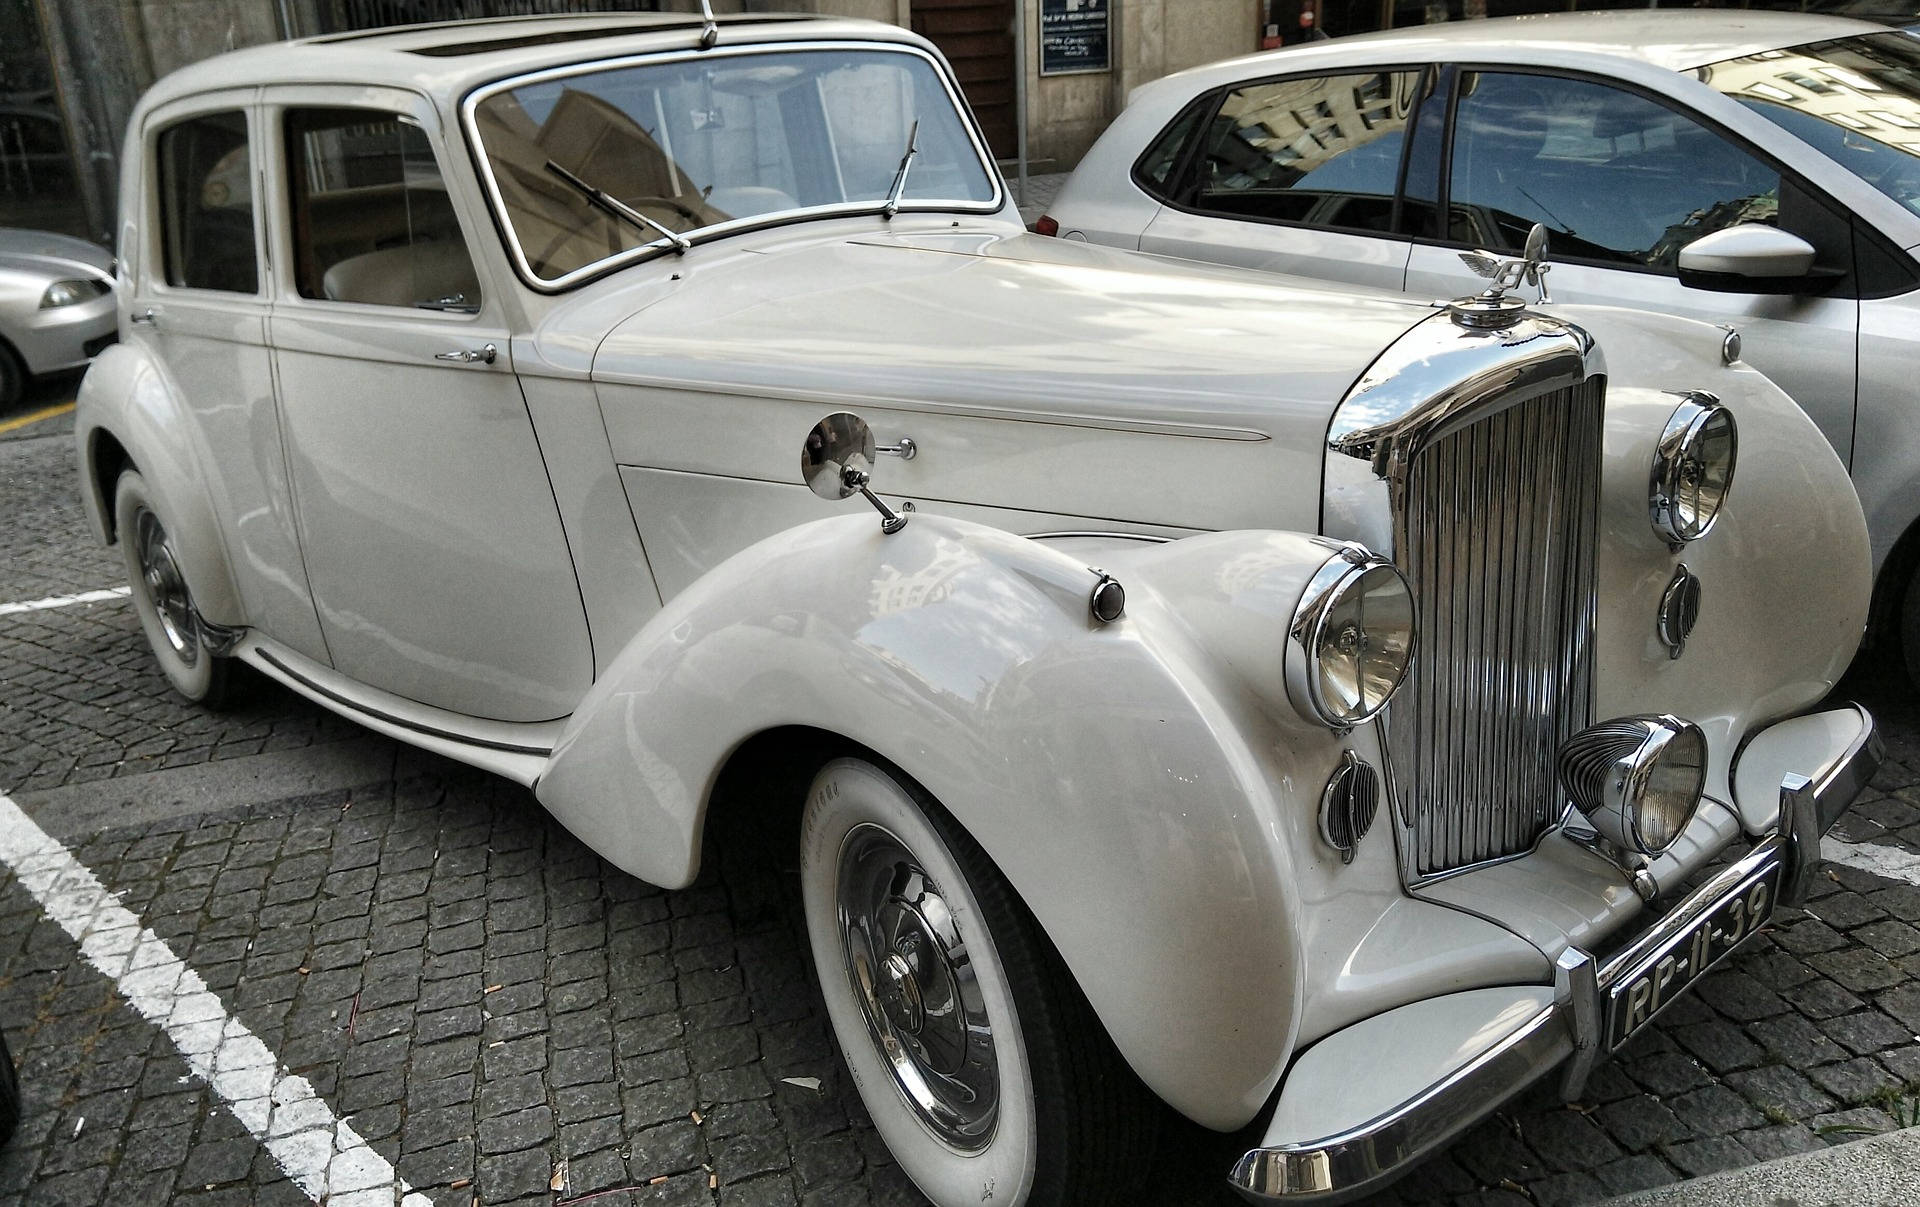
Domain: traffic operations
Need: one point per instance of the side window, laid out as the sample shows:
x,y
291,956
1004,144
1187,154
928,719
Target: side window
x,y
1156,167
206,204
1617,178
372,222
1323,151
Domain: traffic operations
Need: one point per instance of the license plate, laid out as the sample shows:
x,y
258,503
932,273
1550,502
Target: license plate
x,y
1658,977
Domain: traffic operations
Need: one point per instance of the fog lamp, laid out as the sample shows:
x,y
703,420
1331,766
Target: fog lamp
x,y
1692,469
1637,779
1351,640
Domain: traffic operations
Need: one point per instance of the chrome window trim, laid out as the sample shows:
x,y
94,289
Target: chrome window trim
x,y
477,147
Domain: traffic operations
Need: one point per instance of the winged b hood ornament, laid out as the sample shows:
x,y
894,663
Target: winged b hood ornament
x,y
1495,307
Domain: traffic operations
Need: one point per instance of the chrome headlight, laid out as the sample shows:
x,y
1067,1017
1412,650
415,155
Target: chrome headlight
x,y
1637,779
1693,469
1351,640
70,293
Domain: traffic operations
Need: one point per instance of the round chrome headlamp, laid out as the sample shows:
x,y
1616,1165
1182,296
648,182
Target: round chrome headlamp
x,y
1351,640
1693,469
1637,779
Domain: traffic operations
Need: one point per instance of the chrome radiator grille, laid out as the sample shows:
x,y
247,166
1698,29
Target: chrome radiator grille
x,y
1499,538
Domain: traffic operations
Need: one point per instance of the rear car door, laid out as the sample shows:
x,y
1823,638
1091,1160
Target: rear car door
x,y
1623,181
1297,175
200,302
433,541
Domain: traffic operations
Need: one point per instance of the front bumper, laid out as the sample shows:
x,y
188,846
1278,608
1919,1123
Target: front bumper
x,y
1570,1026
66,337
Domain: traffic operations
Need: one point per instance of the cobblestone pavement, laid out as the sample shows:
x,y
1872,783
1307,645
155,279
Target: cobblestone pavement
x,y
509,1020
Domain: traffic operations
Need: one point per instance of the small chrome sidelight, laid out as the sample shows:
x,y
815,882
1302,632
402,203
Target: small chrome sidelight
x,y
1692,469
1730,346
1108,600
1679,610
1637,779
1351,640
1349,804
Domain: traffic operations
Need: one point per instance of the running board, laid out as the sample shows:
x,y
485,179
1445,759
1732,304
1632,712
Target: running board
x,y
516,751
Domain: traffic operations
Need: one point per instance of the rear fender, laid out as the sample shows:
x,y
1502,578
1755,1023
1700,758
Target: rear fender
x,y
1111,772
127,398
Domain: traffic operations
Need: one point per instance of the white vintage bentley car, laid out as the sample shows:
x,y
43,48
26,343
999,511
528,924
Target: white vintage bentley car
x,y
1283,704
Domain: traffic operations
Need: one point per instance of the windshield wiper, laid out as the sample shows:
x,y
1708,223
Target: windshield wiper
x,y
899,186
620,209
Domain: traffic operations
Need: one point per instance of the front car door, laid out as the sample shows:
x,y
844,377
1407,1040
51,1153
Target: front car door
x,y
1294,175
199,280
1623,182
433,541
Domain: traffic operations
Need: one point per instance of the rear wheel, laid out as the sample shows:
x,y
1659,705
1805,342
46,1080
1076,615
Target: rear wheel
x,y
982,1065
162,600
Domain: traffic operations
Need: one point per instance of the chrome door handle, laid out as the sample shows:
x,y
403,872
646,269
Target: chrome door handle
x,y
486,354
906,450
149,315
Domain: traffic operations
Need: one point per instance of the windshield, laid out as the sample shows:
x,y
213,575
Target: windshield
x,y
1855,100
716,140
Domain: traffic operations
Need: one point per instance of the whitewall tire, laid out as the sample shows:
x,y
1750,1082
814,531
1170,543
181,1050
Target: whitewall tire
x,y
966,1039
161,598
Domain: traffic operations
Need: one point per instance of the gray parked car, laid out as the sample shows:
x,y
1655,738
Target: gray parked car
x,y
1758,170
56,306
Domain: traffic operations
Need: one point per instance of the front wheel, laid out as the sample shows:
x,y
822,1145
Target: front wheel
x,y
161,598
982,1065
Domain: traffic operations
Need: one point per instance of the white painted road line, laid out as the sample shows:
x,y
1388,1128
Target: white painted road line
x,y
1890,862
323,1156
65,601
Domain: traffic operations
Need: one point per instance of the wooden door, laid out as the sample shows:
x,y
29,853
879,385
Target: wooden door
x,y
977,38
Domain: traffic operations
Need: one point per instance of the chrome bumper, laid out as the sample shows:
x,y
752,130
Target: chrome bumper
x,y
1359,1161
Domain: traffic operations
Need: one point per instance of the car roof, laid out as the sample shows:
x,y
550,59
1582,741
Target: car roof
x,y
1676,39
448,59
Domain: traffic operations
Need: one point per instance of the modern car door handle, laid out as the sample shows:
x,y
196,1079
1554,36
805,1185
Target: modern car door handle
x,y
486,354
149,315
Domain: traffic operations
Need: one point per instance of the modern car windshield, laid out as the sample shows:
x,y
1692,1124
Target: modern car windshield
x,y
717,140
1855,100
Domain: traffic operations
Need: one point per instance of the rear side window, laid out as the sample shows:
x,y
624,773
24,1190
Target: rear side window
x,y
206,204
371,219
1156,168
1319,151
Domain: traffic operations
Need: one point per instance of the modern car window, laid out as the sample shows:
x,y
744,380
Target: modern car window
x,y
1855,100
1617,178
1156,167
206,204
694,144
371,219
1323,151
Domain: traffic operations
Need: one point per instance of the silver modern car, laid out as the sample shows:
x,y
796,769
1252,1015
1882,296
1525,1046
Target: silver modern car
x,y
56,306
1758,170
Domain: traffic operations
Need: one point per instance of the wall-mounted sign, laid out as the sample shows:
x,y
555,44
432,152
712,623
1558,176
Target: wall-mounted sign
x,y
1074,37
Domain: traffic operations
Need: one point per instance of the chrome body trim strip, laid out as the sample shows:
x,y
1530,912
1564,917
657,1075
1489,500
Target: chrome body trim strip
x,y
1358,1161
356,707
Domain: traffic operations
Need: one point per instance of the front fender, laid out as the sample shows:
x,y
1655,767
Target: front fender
x,y
1107,771
126,398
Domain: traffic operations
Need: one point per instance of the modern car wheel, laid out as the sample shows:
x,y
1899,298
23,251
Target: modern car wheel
x,y
982,1065
161,597
13,377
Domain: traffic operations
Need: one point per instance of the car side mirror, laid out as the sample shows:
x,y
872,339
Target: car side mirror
x,y
1752,258
836,463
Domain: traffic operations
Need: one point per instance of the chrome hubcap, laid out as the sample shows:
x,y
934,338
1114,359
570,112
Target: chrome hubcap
x,y
915,982
165,587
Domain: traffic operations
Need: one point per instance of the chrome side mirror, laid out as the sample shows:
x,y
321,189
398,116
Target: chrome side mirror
x,y
837,463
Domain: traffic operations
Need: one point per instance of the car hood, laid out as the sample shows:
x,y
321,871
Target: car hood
x,y
60,256
1011,323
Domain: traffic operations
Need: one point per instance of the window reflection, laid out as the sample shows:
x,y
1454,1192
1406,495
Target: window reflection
x,y
1855,100
1323,151
1617,178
